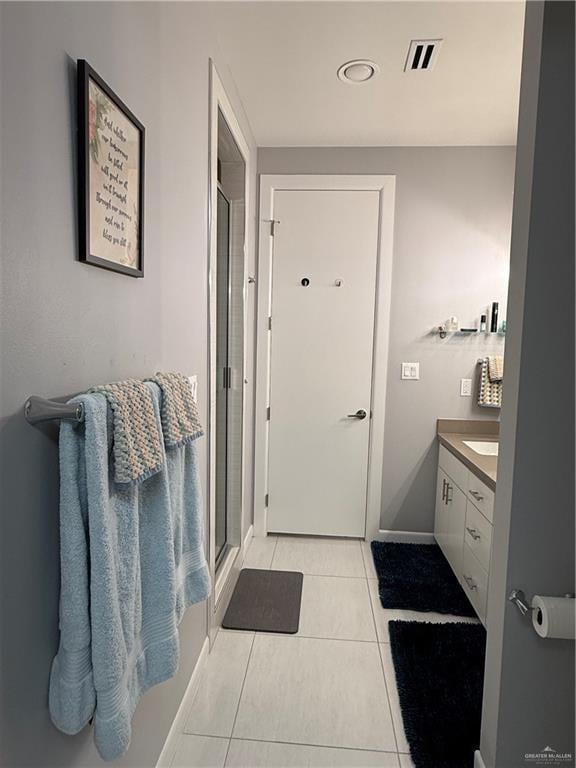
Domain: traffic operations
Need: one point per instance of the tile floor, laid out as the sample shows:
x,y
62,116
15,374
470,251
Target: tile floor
x,y
324,698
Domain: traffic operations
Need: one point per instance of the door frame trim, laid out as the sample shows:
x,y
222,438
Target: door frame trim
x,y
223,582
269,184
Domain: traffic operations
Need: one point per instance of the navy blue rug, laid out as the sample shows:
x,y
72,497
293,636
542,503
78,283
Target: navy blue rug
x,y
440,676
417,577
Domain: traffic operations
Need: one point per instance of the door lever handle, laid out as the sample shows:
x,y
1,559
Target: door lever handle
x,y
360,414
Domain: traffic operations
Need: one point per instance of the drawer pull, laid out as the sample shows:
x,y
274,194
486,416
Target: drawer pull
x,y
443,488
470,581
474,533
477,496
449,489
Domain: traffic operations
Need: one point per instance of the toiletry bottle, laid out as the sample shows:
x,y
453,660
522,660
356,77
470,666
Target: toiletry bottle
x,y
482,323
452,324
494,321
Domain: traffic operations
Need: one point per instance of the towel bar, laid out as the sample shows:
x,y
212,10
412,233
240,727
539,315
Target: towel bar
x,y
39,409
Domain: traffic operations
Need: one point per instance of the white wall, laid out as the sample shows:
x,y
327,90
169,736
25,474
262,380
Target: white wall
x,y
66,326
451,257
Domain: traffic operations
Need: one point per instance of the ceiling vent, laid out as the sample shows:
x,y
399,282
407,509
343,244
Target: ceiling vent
x,y
422,55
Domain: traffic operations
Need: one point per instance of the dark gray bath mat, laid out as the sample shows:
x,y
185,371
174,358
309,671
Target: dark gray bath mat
x,y
265,601
417,577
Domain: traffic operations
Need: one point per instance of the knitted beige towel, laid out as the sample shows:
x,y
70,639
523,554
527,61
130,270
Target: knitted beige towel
x,y
178,411
496,368
489,392
137,445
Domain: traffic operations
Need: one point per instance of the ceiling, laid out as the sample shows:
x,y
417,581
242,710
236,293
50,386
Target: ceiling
x,y
284,57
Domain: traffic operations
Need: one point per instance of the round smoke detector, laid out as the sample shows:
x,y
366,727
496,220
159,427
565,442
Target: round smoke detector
x,y
358,71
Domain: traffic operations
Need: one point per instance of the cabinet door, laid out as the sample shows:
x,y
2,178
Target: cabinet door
x,y
455,503
441,518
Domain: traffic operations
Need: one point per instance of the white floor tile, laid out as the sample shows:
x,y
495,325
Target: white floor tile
x,y
320,692
325,757
337,608
260,552
401,739
214,707
268,754
383,616
319,557
200,752
406,761
368,560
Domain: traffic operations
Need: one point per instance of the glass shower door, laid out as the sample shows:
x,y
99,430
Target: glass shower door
x,y
223,374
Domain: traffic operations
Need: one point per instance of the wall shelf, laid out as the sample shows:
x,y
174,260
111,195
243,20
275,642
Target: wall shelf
x,y
442,333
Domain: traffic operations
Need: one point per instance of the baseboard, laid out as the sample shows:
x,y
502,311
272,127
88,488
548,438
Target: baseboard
x,y
247,539
478,762
168,750
406,537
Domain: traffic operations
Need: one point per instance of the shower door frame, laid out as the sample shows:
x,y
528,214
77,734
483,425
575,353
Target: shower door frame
x,y
224,580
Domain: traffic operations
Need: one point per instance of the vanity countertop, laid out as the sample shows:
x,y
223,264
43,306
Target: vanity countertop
x,y
451,434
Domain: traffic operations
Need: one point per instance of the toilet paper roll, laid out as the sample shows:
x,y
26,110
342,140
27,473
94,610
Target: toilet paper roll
x,y
553,616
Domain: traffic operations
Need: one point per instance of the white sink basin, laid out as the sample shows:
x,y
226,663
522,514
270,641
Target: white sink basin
x,y
483,448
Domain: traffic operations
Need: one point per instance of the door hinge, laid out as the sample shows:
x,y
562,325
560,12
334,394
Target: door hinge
x,y
267,500
270,323
268,413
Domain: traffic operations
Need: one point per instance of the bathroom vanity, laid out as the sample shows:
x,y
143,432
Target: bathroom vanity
x,y
466,482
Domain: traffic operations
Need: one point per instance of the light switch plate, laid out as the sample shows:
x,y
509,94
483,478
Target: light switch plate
x,y
411,371
465,387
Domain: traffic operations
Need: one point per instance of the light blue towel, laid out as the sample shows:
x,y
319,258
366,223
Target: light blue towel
x,y
132,560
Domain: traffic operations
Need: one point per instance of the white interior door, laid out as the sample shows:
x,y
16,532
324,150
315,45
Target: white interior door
x,y
321,359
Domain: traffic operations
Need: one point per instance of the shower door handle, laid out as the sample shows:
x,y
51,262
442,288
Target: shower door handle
x,y
360,414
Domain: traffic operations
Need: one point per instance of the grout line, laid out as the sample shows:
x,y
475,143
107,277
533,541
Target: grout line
x,y
324,575
383,671
240,697
273,553
298,636
320,746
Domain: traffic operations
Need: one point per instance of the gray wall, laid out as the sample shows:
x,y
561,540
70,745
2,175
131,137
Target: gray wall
x,y
451,257
65,325
529,682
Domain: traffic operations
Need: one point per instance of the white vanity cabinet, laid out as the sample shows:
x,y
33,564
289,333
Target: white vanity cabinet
x,y
463,526
450,518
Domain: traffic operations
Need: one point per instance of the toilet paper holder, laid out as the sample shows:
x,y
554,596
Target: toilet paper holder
x,y
518,597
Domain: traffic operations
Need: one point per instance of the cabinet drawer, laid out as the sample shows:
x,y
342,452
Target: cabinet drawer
x,y
481,496
475,582
454,468
478,534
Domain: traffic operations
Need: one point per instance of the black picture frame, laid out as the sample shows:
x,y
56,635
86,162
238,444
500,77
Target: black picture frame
x,y
87,74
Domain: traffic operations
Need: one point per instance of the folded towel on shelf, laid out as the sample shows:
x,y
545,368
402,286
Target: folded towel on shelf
x,y
489,392
179,412
496,368
132,560
137,445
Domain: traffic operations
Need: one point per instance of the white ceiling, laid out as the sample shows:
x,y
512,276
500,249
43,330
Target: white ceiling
x,y
284,56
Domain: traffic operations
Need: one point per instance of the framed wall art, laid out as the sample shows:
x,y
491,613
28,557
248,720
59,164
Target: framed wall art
x,y
110,178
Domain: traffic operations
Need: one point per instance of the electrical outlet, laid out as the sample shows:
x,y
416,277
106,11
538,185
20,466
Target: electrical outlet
x,y
411,371
465,387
